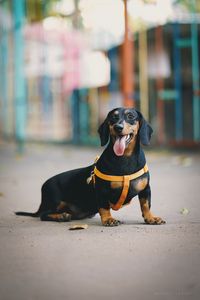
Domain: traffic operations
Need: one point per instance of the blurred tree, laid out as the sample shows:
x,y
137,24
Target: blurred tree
x,y
189,4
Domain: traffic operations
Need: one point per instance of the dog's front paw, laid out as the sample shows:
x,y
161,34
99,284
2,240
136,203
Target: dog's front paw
x,y
111,222
154,220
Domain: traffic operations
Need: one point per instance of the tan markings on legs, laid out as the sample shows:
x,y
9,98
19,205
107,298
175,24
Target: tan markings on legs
x,y
148,216
61,206
140,184
62,217
107,219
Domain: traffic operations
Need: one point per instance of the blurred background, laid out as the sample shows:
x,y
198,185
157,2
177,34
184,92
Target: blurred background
x,y
65,63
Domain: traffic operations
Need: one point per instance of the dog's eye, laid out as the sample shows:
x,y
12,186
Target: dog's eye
x,y
114,118
130,116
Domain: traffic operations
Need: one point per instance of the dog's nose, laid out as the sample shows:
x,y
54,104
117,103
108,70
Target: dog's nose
x,y
118,128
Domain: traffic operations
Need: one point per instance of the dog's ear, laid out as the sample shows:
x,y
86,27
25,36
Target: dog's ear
x,y
104,132
145,130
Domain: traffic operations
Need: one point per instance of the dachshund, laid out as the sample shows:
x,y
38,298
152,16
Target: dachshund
x,y
119,174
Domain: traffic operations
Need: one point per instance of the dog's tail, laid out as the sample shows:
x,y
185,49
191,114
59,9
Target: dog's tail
x,y
28,214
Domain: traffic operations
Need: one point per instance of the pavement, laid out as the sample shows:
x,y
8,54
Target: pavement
x,y
134,261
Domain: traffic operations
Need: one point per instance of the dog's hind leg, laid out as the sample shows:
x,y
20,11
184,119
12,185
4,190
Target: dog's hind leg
x,y
57,214
65,212
56,217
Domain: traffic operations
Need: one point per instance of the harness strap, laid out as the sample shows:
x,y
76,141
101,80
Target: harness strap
x,y
126,183
123,195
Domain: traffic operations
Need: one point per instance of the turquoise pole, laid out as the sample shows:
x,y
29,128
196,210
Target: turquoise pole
x,y
195,75
84,116
75,116
178,84
19,78
4,75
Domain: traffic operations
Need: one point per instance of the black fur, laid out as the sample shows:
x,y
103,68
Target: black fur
x,y
145,131
83,199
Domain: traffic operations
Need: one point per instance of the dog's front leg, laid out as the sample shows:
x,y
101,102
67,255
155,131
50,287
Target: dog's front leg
x,y
145,200
106,218
102,193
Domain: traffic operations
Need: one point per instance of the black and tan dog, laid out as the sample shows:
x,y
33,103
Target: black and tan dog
x,y
118,175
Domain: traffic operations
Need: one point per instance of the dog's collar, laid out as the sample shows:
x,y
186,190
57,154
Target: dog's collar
x,y
126,183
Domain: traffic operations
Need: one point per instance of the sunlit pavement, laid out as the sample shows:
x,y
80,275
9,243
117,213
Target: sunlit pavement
x,y
44,260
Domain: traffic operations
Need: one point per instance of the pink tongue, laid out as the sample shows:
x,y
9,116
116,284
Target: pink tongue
x,y
119,146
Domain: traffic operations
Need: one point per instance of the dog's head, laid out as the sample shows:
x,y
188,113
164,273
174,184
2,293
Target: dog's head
x,y
123,126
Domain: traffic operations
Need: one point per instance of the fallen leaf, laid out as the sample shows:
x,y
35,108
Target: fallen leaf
x,y
78,227
187,161
184,211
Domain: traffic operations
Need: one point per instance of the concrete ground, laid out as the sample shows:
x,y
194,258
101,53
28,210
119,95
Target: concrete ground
x,y
44,260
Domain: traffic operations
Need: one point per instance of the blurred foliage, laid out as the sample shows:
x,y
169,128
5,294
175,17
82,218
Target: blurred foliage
x,y
38,9
191,5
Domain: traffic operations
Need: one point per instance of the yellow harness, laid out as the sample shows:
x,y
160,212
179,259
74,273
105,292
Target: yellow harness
x,y
126,183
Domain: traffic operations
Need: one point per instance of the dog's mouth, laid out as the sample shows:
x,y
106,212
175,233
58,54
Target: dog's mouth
x,y
121,142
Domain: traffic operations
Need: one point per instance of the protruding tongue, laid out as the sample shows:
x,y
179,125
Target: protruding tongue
x,y
120,145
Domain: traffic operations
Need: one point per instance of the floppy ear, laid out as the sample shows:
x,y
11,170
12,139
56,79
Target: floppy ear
x,y
145,130
104,132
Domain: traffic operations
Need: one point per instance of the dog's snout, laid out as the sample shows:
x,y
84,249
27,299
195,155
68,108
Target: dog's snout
x,y
119,127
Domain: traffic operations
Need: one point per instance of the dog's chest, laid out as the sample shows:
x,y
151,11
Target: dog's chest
x,y
136,185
